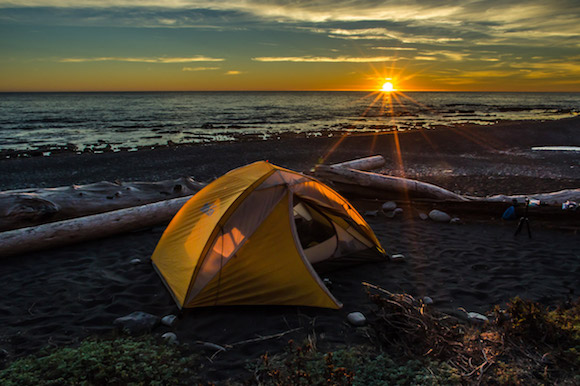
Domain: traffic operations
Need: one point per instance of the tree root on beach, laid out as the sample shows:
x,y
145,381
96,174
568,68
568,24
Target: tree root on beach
x,y
408,326
524,343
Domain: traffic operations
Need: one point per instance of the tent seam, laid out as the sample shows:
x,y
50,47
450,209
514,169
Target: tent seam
x,y
225,217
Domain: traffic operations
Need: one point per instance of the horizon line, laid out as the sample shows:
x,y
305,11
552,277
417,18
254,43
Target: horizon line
x,y
321,90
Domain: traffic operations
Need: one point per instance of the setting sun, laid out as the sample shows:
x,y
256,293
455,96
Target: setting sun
x,y
387,87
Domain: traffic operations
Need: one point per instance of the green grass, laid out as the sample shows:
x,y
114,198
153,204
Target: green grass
x,y
303,365
121,361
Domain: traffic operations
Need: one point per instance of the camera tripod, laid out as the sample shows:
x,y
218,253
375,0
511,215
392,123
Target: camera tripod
x,y
524,220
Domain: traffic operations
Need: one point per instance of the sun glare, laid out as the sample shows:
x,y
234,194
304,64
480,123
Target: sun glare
x,y
388,87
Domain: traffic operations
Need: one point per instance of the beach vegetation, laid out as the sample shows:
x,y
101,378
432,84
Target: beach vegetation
x,y
410,343
120,361
357,365
525,343
549,339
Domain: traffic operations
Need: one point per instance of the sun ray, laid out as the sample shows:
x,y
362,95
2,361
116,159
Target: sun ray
x,y
391,103
377,98
333,148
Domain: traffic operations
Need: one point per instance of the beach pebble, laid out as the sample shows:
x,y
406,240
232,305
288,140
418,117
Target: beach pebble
x,y
389,205
356,319
427,300
136,261
137,323
169,337
327,282
439,216
169,320
393,213
423,216
371,213
397,257
455,220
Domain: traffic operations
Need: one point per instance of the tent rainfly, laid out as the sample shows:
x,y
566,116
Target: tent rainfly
x,y
251,237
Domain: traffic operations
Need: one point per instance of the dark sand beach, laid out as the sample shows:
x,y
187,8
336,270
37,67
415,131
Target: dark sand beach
x,y
61,296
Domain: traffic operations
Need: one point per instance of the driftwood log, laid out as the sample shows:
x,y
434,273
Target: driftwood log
x,y
28,207
553,198
367,183
22,208
87,228
373,185
367,163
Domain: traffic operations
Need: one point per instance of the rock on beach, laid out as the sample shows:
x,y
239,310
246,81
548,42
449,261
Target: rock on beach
x,y
356,319
137,323
439,216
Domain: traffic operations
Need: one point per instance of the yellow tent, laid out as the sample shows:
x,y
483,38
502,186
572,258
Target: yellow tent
x,y
251,237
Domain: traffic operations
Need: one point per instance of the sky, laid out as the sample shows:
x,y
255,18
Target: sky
x,y
191,45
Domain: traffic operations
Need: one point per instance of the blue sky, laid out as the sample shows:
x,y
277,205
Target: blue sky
x,y
65,45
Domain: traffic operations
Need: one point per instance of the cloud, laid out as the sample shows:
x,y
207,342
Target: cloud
x,y
429,58
479,22
395,48
451,12
487,74
233,72
199,68
455,56
167,21
384,34
568,66
162,60
312,11
547,69
325,59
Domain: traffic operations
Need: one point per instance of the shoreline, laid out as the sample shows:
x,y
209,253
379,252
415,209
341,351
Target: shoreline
x,y
344,129
468,158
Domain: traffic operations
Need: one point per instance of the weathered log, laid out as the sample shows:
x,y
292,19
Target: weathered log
x,y
28,207
382,183
553,198
367,163
65,232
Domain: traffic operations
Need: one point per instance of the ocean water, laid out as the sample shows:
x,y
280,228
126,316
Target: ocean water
x,y
128,121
